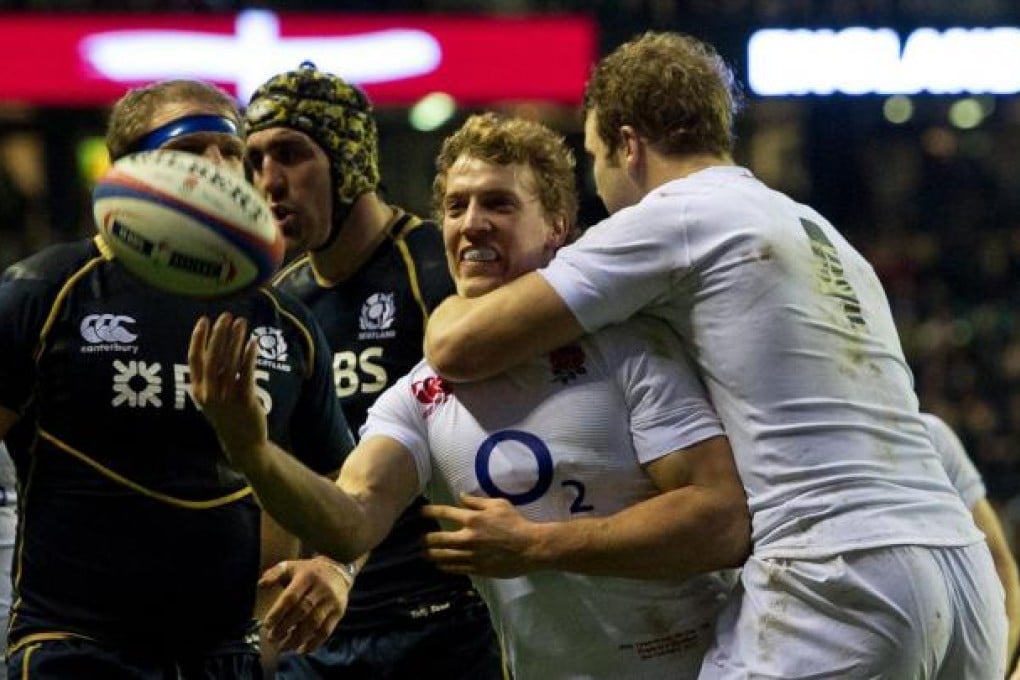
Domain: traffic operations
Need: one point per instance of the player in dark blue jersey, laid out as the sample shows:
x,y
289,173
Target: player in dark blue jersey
x,y
139,549
371,274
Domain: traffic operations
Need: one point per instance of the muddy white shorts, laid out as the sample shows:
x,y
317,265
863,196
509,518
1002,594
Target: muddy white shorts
x,y
894,613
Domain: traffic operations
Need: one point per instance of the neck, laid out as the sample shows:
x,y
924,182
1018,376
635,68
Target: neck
x,y
661,169
365,228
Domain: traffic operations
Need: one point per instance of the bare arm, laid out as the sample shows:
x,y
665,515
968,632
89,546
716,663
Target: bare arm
x,y
342,520
475,338
988,522
698,524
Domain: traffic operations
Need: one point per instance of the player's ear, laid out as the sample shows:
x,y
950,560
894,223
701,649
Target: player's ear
x,y
632,146
559,228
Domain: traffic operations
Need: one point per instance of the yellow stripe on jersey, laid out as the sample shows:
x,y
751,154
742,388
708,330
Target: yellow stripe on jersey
x,y
412,270
36,640
290,268
135,486
309,341
59,299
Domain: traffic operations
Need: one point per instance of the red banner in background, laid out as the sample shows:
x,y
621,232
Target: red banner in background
x,y
91,59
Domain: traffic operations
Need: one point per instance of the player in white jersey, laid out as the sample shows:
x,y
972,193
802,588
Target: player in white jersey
x,y
866,564
604,456
968,483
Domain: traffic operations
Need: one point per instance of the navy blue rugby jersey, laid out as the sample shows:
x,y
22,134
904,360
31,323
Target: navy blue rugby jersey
x,y
133,527
374,323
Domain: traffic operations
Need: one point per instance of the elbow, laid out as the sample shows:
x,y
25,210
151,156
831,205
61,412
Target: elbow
x,y
735,535
451,355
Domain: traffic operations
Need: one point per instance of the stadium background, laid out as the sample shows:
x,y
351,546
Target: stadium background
x,y
933,200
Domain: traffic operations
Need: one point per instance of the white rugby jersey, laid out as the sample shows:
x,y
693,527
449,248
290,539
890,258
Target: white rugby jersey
x,y
964,476
565,436
792,333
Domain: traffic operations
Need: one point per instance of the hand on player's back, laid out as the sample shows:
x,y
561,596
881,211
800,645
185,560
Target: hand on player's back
x,y
221,359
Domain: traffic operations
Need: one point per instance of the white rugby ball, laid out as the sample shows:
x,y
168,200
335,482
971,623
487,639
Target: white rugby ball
x,y
186,225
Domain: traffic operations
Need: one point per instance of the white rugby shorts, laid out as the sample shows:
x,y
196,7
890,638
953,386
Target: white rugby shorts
x,y
893,613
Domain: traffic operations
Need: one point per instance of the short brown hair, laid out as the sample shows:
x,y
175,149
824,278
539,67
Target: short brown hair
x,y
504,141
673,89
132,115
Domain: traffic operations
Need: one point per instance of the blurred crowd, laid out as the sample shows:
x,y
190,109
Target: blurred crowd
x,y
936,210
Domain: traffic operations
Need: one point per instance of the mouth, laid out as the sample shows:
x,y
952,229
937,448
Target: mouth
x,y
281,212
285,218
478,254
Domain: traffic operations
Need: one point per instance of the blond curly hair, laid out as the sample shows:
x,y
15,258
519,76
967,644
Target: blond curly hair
x,y
673,89
504,141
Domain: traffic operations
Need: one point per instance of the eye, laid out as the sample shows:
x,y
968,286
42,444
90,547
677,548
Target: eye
x,y
192,146
232,150
501,204
254,159
453,207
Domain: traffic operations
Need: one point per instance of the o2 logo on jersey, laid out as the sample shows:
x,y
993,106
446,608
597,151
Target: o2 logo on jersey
x,y
515,444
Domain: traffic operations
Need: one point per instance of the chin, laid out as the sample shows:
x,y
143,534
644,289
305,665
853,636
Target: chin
x,y
472,289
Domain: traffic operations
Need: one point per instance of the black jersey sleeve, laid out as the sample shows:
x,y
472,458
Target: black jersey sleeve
x,y
28,290
20,311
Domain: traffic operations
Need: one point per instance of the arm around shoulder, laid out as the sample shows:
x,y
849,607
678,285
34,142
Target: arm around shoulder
x,y
476,338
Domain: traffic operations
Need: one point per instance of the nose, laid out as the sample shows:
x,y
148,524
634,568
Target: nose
x,y
476,219
213,153
267,176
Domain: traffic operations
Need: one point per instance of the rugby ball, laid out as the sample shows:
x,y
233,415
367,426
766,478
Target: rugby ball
x,y
186,225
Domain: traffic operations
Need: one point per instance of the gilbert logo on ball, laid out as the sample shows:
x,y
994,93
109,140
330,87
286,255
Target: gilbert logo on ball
x,y
186,225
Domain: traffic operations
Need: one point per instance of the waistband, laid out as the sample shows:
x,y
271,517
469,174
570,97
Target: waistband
x,y
419,610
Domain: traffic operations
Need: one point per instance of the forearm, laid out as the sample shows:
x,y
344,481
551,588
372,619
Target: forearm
x,y
987,520
309,505
1007,570
679,533
476,338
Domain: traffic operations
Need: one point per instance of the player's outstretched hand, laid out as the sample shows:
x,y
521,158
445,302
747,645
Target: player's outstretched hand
x,y
491,538
312,602
221,359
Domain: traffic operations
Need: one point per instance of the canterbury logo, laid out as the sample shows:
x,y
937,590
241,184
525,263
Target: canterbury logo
x,y
100,328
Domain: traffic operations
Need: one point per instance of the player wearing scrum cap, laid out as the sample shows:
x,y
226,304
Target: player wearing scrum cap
x,y
371,274
139,549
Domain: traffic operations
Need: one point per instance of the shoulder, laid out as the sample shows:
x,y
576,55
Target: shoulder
x,y
286,304
292,312
639,335
945,441
422,238
297,278
53,265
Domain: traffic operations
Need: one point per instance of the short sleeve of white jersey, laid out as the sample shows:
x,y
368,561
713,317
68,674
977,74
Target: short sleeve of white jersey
x,y
965,477
650,253
395,415
668,406
620,266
